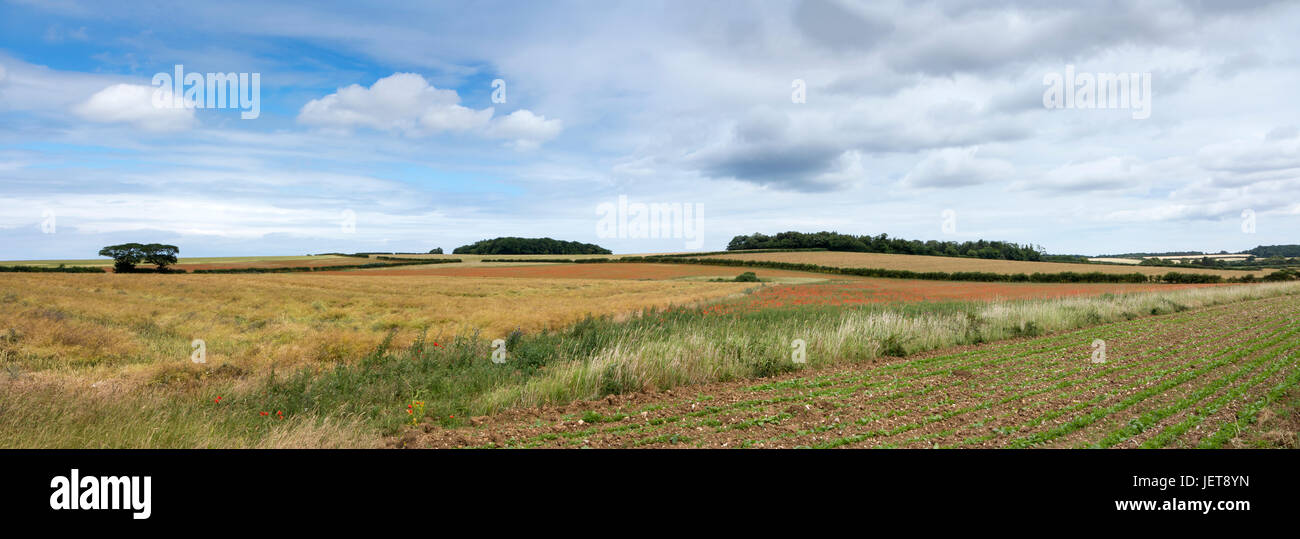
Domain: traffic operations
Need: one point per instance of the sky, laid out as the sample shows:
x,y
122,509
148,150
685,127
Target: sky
x,y
405,126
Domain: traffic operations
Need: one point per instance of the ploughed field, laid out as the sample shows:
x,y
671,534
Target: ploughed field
x,y
919,263
1197,378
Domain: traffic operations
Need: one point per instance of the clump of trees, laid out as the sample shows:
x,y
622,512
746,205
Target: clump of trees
x,y
436,251
834,241
530,246
1285,274
1276,251
128,255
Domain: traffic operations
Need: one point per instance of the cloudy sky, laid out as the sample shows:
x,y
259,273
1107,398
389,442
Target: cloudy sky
x,y
378,129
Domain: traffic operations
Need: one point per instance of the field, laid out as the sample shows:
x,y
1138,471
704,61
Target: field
x,y
343,358
621,271
210,262
132,329
1189,379
919,263
1180,257
869,290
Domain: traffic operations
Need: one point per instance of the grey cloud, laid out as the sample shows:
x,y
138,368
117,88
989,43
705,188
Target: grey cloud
x,y
1237,63
1282,132
832,25
782,165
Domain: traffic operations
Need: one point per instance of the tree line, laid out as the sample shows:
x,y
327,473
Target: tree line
x,y
530,246
833,241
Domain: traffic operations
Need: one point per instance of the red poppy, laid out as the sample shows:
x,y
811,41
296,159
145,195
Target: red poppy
x,y
264,413
435,343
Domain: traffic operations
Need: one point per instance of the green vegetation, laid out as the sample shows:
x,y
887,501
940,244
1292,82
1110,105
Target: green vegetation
x,y
530,246
599,356
884,244
127,255
1147,255
47,269
1014,393
1270,251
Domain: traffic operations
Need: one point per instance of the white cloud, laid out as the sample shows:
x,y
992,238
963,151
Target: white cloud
x,y
525,129
134,104
403,102
1246,156
407,103
957,167
1111,173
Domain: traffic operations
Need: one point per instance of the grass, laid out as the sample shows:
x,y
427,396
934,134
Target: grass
x,y
359,397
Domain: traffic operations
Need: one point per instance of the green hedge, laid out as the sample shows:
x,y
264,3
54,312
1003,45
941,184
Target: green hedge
x,y
45,269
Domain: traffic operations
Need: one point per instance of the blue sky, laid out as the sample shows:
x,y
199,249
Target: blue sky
x,y
384,112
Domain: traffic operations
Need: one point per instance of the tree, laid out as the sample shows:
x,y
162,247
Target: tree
x,y
160,255
437,251
127,255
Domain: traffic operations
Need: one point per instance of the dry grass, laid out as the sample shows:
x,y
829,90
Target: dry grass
x,y
134,329
950,264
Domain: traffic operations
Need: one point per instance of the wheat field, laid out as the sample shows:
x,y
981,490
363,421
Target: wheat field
x,y
134,328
